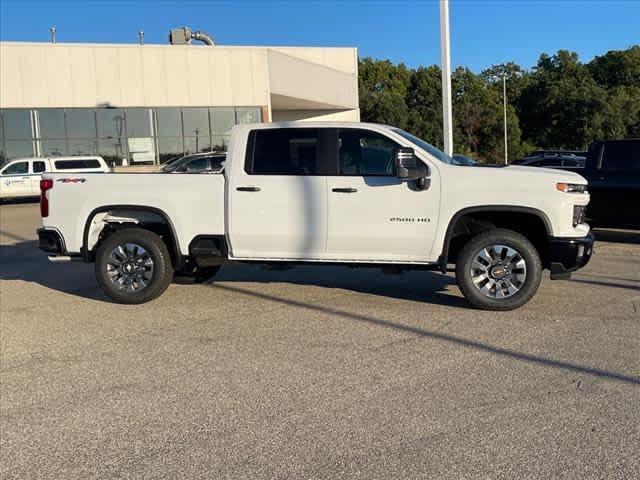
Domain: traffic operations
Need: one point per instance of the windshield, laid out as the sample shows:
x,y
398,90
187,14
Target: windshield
x,y
427,147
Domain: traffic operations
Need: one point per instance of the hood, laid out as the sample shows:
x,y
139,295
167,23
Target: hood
x,y
554,173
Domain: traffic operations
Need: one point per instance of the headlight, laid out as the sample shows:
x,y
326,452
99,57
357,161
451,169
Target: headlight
x,y
571,188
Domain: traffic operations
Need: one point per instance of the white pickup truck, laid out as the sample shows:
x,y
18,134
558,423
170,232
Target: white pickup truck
x,y
343,193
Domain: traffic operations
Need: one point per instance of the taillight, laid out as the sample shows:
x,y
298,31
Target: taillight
x,y
45,184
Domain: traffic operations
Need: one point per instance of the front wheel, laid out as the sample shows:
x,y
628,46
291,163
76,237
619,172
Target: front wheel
x,y
133,266
498,270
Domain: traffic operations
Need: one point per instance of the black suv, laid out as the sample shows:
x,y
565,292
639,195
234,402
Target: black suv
x,y
612,168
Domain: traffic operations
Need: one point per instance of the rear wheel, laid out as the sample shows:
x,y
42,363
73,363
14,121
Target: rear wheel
x,y
133,266
498,270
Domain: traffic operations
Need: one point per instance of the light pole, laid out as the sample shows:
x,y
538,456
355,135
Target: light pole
x,y
445,65
504,111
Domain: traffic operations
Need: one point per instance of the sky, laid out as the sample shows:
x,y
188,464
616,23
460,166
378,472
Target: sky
x,y
483,32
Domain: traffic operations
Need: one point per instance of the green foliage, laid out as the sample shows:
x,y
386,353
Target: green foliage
x,y
560,103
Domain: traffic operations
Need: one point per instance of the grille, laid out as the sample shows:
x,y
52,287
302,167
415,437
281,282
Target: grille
x,y
578,214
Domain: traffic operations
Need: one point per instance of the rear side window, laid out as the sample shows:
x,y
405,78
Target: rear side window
x,y
289,151
76,164
38,167
621,156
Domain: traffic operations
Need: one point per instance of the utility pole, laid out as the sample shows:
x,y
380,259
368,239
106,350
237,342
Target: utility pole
x,y
504,110
445,65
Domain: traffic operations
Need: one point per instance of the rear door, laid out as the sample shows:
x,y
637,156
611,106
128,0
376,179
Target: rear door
x,y
38,167
277,195
15,180
372,214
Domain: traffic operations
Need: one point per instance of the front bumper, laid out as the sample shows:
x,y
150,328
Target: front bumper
x,y
567,255
51,241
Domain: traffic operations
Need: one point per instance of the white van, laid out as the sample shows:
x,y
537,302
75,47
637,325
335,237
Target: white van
x,y
21,177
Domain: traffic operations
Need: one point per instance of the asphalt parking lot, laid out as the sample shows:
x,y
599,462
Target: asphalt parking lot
x,y
316,373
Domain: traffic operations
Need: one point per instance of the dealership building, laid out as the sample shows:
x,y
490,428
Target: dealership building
x,y
135,104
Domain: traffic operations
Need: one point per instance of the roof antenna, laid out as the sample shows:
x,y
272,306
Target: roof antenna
x,y
53,34
141,37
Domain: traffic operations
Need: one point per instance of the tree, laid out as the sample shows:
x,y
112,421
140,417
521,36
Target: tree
x,y
424,103
383,89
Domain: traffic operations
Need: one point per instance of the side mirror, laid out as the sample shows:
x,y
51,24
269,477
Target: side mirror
x,y
408,166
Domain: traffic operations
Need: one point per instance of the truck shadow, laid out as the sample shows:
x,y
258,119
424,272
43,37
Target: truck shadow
x,y
418,286
24,261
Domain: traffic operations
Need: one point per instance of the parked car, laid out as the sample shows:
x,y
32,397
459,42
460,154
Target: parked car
x,y
21,177
210,162
562,161
460,159
613,171
288,194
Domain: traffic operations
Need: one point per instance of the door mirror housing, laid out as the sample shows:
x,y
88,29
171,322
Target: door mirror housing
x,y
408,166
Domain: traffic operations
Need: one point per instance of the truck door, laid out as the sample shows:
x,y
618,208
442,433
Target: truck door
x,y
38,168
277,196
615,185
373,215
15,180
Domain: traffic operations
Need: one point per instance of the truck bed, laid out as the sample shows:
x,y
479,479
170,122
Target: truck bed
x,y
194,203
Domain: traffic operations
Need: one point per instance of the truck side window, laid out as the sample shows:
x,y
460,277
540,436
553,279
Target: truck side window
x,y
366,153
285,151
38,167
621,156
20,168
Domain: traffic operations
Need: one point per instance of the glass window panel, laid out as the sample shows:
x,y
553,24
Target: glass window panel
x,y
220,143
20,148
51,122
169,147
112,150
222,119
82,146
110,122
286,151
81,123
20,168
247,115
366,153
38,167
53,148
169,123
197,144
17,123
196,122
138,122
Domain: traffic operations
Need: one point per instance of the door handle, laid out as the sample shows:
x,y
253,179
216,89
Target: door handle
x,y
248,189
344,190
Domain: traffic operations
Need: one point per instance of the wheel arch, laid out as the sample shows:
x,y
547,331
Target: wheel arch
x,y
483,214
172,242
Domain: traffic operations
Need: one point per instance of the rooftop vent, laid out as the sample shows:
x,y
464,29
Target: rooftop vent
x,y
184,35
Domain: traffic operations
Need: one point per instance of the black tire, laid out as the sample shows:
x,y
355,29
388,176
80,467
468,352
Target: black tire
x,y
156,250
198,275
527,288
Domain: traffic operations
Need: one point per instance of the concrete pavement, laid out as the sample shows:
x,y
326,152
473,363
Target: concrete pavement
x,y
316,373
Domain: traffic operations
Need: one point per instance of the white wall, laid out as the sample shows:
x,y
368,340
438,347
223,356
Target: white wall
x,y
319,81
316,115
66,75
